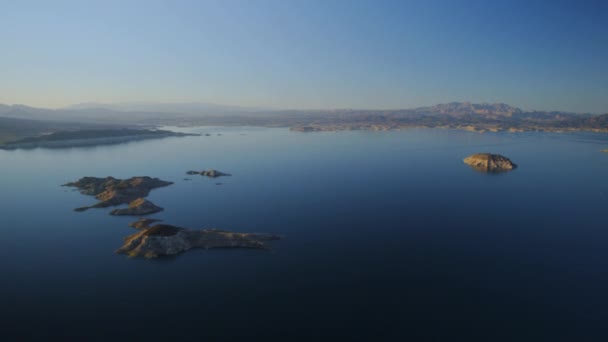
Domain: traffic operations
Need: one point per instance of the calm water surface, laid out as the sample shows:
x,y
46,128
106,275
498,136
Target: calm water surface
x,y
388,235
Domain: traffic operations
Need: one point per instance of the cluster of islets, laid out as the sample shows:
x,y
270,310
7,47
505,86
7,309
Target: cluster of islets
x,y
155,239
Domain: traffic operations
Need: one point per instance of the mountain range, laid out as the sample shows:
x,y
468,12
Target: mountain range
x,y
460,115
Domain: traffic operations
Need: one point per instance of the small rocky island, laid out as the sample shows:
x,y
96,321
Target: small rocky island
x,y
211,173
111,191
143,223
163,239
488,162
138,207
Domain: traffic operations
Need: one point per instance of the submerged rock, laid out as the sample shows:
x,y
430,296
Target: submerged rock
x,y
140,206
488,162
111,191
163,239
605,151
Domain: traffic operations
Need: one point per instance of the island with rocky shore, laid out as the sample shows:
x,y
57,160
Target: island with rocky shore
x,y
112,191
487,162
138,207
164,240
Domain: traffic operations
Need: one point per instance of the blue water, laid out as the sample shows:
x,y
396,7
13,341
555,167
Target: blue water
x,y
387,236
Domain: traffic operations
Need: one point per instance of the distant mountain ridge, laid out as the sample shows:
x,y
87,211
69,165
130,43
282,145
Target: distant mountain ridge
x,y
467,108
460,115
457,109
168,107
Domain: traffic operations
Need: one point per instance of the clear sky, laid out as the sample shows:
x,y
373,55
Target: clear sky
x,y
306,54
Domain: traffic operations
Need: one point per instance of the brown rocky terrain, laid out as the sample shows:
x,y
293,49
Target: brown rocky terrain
x,y
488,162
138,207
111,191
163,239
143,223
160,239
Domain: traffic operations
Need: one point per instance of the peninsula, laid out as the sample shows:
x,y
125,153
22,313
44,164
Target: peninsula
x,y
93,137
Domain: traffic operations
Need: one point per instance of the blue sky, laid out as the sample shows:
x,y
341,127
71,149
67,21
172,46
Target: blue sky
x,y
306,54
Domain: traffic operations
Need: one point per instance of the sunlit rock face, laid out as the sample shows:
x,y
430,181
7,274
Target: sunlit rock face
x,y
138,207
487,162
111,191
163,240
143,223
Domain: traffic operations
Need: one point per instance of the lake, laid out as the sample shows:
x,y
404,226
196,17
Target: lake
x,y
387,236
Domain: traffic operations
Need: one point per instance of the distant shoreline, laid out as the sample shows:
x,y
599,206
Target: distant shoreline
x,y
468,128
45,142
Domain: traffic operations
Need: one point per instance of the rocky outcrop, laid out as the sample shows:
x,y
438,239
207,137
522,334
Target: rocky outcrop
x,y
209,173
163,240
143,223
111,191
138,207
488,162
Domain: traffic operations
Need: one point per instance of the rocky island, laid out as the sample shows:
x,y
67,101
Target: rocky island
x,y
488,162
143,223
138,207
211,173
111,191
163,240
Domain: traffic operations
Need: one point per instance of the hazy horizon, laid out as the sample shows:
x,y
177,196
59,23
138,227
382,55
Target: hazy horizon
x,y
537,55
116,105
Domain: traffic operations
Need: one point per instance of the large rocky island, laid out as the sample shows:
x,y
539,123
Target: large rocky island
x,y
111,191
487,162
163,240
